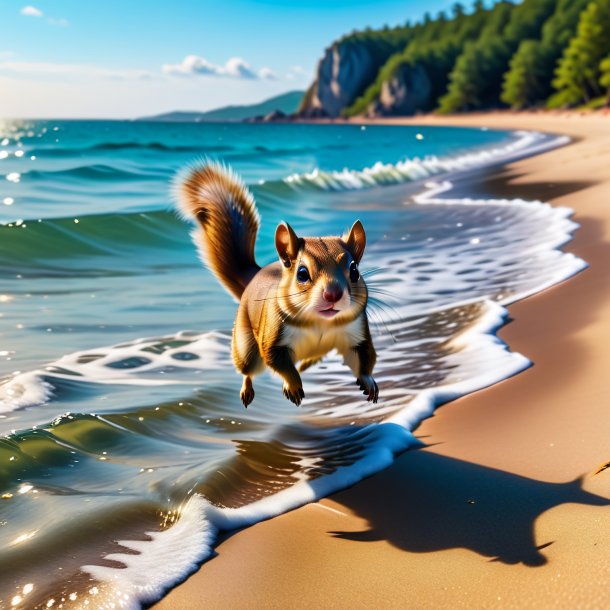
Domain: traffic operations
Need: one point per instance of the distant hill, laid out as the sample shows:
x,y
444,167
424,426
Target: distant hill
x,y
286,103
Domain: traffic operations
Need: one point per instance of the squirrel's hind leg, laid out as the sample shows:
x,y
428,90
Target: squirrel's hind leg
x,y
248,367
247,391
246,356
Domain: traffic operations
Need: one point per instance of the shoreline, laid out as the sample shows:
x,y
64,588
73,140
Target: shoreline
x,y
467,520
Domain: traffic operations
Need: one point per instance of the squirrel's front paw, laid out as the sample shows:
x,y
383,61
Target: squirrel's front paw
x,y
369,387
293,393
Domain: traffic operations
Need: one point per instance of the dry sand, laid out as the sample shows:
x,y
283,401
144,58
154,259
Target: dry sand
x,y
491,513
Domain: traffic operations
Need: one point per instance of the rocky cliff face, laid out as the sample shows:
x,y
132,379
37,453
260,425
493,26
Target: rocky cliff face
x,y
343,74
408,91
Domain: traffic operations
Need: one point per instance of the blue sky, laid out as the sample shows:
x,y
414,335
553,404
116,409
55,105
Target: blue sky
x,y
90,58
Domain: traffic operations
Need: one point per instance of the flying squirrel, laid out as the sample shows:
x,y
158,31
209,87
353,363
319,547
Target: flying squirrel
x,y
293,311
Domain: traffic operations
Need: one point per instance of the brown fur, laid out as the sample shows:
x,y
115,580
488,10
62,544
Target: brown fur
x,y
215,197
281,320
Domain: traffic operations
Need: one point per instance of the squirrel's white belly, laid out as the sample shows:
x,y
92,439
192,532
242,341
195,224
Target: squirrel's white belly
x,y
315,342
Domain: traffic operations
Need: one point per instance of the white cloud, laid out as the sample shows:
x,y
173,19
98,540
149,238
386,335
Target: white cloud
x,y
236,67
191,64
267,74
31,11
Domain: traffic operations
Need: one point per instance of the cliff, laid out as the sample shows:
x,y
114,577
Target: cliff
x,y
343,74
348,67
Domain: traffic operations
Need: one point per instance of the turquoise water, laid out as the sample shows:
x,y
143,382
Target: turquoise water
x,y
114,178
119,407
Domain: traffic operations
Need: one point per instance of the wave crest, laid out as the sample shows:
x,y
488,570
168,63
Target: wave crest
x,y
409,170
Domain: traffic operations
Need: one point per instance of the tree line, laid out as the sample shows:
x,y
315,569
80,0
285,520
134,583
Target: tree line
x,y
539,53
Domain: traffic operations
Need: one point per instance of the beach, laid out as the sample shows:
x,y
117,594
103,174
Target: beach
x,y
502,507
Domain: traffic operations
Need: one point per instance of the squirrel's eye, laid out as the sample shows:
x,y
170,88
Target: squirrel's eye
x,y
354,274
302,274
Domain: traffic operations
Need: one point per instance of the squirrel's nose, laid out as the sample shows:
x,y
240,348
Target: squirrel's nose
x,y
332,293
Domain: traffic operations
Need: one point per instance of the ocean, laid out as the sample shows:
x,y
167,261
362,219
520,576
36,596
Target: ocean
x,y
124,447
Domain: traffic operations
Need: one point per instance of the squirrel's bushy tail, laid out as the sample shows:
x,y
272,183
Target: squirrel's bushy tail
x,y
224,208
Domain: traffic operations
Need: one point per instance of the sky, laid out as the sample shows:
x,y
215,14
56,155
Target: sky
x,y
131,58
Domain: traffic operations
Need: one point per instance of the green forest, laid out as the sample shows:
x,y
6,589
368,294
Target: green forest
x,y
532,54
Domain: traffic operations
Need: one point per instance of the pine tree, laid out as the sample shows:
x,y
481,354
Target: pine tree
x,y
578,72
464,87
457,9
528,80
524,83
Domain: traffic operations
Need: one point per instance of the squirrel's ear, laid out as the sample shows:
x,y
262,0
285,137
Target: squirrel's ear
x,y
356,240
286,243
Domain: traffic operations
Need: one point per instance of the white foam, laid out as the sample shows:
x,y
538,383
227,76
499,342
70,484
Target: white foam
x,y
555,229
24,390
209,351
149,573
480,346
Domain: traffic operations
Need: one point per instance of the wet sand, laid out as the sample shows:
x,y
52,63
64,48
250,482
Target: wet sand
x,y
502,508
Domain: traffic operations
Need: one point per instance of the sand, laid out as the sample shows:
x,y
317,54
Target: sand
x,y
493,513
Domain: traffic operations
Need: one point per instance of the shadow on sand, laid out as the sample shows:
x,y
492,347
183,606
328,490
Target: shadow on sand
x,y
444,503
